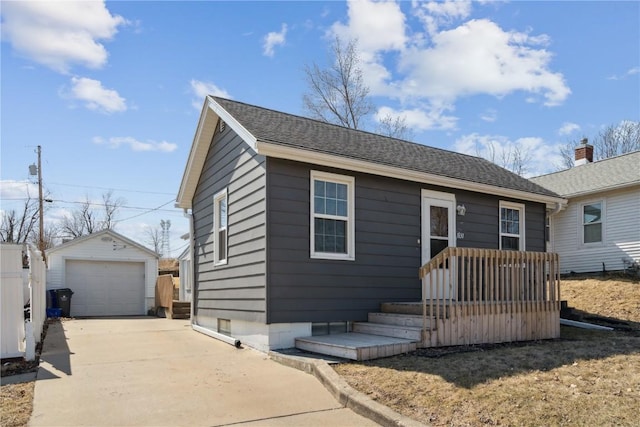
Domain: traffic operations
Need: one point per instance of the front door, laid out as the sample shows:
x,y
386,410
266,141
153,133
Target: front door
x,y
438,232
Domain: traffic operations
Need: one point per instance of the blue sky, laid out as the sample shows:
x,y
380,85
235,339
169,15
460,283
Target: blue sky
x,y
113,91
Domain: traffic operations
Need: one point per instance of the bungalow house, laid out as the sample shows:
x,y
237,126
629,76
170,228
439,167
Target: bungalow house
x,y
600,228
301,228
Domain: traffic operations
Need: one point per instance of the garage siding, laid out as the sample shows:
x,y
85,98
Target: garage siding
x,y
103,247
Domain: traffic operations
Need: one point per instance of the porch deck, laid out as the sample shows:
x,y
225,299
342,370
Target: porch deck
x,y
470,296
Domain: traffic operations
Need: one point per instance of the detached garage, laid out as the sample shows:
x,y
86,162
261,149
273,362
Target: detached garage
x,y
109,274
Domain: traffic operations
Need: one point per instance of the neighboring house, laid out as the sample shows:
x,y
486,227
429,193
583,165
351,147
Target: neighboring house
x,y
109,274
600,228
300,227
186,275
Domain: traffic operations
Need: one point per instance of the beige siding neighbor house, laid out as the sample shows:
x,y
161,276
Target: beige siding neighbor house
x,y
600,228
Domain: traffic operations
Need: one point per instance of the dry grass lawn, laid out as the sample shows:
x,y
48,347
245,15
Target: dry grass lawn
x,y
16,401
585,378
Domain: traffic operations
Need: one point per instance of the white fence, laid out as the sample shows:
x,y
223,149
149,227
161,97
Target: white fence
x,y
20,335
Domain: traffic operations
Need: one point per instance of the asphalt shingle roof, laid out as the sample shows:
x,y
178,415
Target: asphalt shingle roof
x,y
608,174
307,134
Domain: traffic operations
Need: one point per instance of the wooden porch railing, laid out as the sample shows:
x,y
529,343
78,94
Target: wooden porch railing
x,y
474,296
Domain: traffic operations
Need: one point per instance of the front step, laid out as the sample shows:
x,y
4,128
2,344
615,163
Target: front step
x,y
398,319
414,308
356,346
406,332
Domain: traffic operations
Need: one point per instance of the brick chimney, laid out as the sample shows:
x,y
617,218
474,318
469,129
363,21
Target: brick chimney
x,y
584,153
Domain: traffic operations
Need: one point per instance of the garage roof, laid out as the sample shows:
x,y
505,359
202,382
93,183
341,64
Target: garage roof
x,y
105,234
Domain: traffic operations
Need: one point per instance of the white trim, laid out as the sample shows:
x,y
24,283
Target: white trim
x,y
231,122
581,242
349,181
449,200
217,229
207,128
324,159
522,224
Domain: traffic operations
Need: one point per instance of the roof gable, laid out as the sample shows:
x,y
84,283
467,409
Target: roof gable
x,y
101,234
604,175
269,132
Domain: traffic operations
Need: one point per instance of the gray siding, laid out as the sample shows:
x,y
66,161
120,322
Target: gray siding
x,y
388,252
236,290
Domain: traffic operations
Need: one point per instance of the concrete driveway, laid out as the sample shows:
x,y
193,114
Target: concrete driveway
x,y
159,372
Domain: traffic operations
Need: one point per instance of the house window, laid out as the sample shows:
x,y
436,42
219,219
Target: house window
x,y
220,237
512,226
592,222
332,213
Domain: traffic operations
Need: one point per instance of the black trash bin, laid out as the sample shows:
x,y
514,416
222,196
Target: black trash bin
x,y
64,301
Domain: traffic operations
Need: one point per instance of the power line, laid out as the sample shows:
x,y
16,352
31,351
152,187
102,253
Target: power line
x,y
114,189
144,213
100,204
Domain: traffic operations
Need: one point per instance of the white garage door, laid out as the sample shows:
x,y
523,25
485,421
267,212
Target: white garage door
x,y
105,288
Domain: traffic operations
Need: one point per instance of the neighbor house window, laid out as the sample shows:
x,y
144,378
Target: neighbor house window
x,y
592,222
332,216
220,237
512,226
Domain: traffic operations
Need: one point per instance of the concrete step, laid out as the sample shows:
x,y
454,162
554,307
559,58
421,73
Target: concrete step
x,y
356,346
398,319
406,332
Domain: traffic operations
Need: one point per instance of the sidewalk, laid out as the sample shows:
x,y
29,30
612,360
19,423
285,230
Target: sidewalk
x,y
159,372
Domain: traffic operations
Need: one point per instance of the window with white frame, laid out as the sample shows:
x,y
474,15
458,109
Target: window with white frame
x,y
591,218
220,236
332,216
512,226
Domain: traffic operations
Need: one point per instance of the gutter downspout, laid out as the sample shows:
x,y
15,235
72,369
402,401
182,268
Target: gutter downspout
x,y
192,268
227,339
556,210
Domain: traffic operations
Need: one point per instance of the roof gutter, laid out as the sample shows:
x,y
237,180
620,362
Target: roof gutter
x,y
324,159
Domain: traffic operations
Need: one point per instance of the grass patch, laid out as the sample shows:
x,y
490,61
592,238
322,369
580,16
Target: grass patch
x,y
16,401
584,378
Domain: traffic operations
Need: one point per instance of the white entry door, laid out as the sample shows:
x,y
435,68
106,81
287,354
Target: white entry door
x,y
438,232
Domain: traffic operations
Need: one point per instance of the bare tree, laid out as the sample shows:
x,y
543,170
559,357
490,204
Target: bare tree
x,y
395,127
612,141
111,207
50,235
338,94
511,157
17,226
153,237
516,160
85,220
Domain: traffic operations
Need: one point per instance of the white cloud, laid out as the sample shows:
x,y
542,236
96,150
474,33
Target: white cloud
x,y
135,145
59,35
378,26
628,73
201,89
490,115
568,128
420,118
12,189
95,96
435,13
432,70
540,157
479,57
273,39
